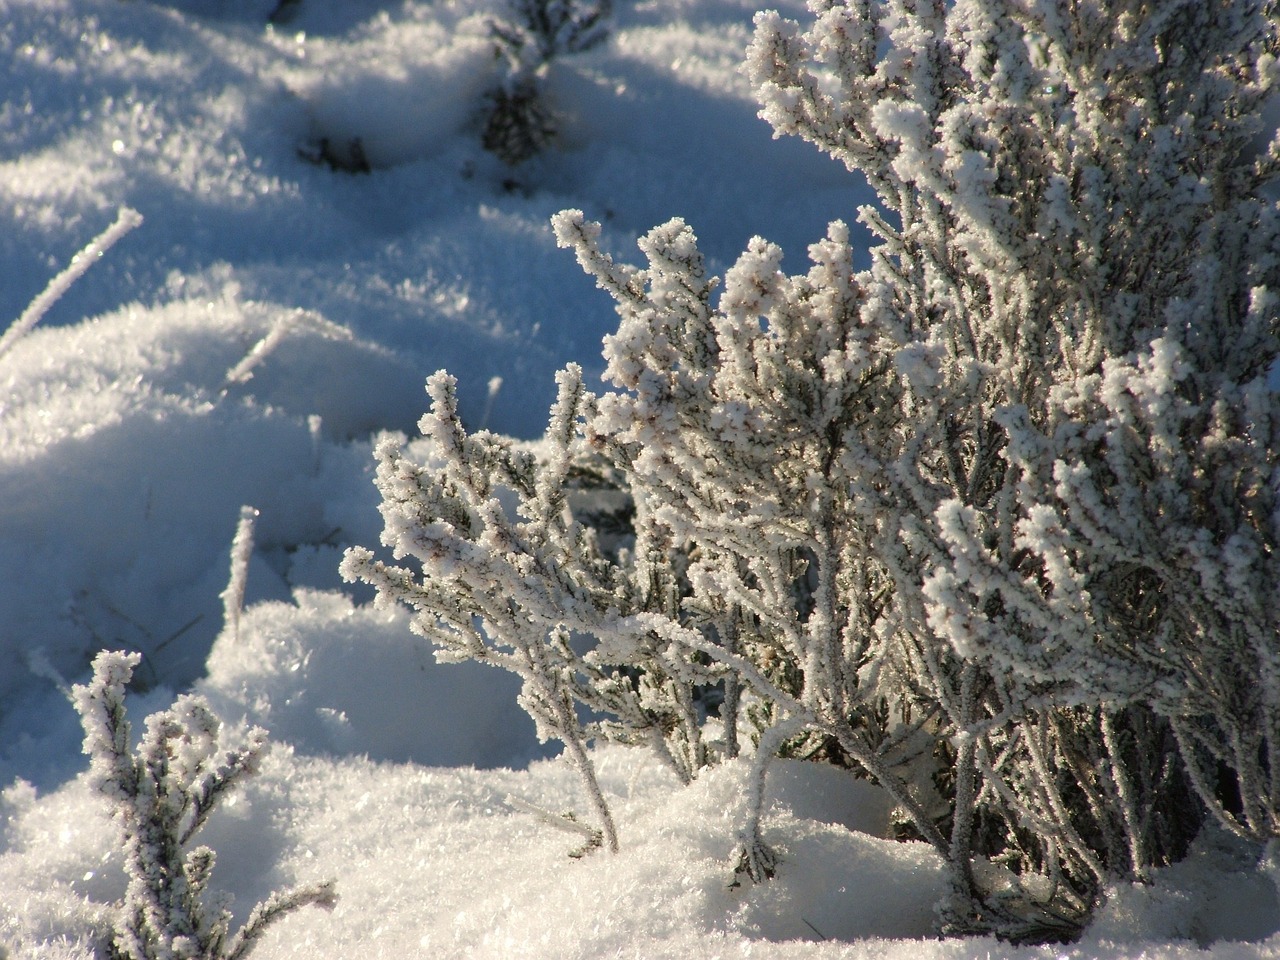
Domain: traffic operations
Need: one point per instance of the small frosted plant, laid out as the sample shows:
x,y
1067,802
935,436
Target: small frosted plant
x,y
520,588
162,795
535,32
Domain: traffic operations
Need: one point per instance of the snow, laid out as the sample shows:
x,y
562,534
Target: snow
x,y
246,346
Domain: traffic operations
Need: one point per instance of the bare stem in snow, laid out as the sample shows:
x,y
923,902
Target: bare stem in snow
x,y
286,325
125,221
566,822
241,554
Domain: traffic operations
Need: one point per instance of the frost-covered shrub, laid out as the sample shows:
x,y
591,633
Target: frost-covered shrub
x,y
162,796
509,577
993,521
533,33
1080,266
769,435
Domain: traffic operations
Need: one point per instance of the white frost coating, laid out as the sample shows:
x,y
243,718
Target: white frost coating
x,y
1084,515
241,554
507,590
288,323
721,443
122,463
161,796
125,221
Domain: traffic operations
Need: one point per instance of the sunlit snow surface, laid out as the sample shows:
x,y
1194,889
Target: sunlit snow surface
x,y
131,435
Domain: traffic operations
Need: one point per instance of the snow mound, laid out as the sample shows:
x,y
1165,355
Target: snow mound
x,y
291,670
128,445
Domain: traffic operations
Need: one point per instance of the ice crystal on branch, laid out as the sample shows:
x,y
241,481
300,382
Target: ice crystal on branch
x,y
162,796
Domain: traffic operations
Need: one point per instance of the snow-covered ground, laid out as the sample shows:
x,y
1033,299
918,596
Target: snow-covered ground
x,y
244,345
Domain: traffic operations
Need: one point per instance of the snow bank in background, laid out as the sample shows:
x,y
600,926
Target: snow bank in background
x,y
405,90
127,448
202,125
1216,894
